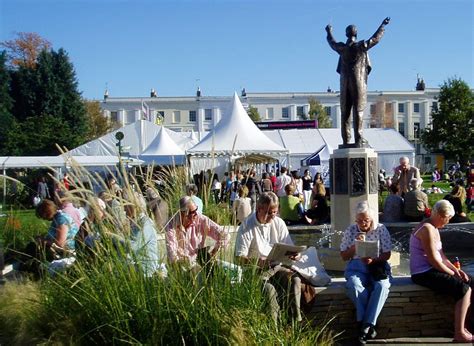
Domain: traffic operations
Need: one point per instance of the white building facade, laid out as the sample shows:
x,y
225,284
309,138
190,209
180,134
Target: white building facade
x,y
409,112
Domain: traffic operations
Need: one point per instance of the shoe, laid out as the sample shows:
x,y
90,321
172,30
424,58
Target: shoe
x,y
372,333
362,339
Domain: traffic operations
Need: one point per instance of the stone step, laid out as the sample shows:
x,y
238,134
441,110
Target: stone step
x,y
412,341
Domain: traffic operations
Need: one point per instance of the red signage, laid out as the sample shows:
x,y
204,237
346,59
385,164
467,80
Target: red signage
x,y
278,125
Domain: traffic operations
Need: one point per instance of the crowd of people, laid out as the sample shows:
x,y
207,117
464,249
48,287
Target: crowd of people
x,y
262,208
408,202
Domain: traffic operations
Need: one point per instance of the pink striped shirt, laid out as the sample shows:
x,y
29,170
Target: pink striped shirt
x,y
183,244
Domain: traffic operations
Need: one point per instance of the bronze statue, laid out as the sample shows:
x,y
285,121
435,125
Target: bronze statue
x,y
354,67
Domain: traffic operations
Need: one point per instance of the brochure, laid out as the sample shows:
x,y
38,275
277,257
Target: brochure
x,y
281,252
367,248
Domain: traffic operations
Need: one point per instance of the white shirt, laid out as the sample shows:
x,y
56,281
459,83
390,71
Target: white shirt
x,y
255,240
281,182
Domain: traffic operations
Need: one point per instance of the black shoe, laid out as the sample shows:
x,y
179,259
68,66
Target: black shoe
x,y
372,333
362,339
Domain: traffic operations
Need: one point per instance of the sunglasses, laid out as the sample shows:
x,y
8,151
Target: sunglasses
x,y
193,212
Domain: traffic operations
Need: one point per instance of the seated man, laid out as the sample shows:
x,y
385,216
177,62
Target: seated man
x,y
186,233
256,237
416,201
291,208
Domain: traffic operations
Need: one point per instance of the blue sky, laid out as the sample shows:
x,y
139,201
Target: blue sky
x,y
174,46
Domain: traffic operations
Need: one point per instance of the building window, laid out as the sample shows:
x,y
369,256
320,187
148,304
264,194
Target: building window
x,y
434,106
176,116
114,116
300,111
160,115
373,109
401,108
328,110
416,108
192,116
208,114
401,128
269,113
285,112
416,130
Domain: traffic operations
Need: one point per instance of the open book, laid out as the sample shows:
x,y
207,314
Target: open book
x,y
367,248
281,252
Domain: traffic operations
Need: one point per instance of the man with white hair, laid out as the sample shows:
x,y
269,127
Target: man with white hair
x,y
416,202
404,173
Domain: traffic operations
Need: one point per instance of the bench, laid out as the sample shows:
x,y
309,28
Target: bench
x,y
410,311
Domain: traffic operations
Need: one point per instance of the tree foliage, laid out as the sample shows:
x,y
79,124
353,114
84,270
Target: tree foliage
x,y
254,115
451,130
99,125
317,111
47,107
25,48
6,102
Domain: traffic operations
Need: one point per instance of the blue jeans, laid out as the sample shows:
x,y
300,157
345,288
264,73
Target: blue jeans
x,y
368,295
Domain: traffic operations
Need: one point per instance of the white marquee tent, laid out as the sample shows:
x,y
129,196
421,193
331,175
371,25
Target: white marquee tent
x,y
140,137
320,143
235,137
163,150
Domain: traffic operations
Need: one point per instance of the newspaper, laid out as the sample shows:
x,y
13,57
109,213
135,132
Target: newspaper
x,y
367,248
281,252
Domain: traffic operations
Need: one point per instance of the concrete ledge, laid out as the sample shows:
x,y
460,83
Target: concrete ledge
x,y
410,311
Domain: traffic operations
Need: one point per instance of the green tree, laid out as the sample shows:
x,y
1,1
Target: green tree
x,y
317,111
6,103
99,124
451,130
253,114
47,95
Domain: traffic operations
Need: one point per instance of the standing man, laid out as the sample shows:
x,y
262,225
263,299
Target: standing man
x,y
281,181
354,67
404,173
255,238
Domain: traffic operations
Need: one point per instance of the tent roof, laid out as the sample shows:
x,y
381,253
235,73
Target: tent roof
x,y
236,134
138,136
163,145
308,141
7,162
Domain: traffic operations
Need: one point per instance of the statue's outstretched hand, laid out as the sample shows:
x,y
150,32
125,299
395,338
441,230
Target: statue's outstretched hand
x,y
328,28
386,21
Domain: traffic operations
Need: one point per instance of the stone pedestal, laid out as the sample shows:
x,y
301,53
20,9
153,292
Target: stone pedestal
x,y
354,178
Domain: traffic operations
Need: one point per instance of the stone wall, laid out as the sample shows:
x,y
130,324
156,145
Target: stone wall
x,y
410,311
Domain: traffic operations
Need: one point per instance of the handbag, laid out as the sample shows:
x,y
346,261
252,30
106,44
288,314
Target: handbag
x,y
379,270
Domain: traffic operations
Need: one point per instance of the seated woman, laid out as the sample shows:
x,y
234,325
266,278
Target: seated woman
x,y
187,232
291,208
429,267
457,198
367,278
319,212
63,229
242,206
393,206
143,238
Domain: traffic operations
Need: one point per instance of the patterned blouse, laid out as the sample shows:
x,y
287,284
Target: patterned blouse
x,y
380,233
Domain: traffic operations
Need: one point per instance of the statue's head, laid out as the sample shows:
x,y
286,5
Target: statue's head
x,y
351,31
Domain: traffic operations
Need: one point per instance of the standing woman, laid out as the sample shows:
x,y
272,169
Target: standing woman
x,y
367,278
307,189
429,267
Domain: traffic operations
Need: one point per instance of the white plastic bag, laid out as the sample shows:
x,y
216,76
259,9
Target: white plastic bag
x,y
309,267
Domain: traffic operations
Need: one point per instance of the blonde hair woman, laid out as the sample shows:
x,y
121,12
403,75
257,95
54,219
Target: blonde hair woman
x,y
430,267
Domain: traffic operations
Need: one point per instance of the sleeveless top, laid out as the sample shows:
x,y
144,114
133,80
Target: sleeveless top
x,y
418,259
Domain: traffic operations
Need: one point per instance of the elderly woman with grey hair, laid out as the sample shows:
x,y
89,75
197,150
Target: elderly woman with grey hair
x,y
430,267
367,278
187,231
143,239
